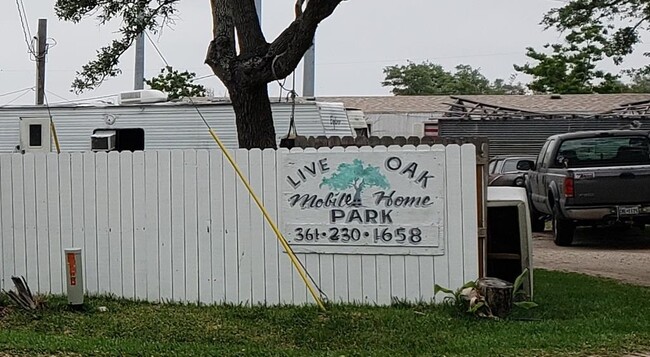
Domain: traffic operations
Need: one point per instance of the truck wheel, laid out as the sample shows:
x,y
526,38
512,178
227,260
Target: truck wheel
x,y
563,230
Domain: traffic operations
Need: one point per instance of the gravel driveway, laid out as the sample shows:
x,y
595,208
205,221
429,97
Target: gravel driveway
x,y
607,252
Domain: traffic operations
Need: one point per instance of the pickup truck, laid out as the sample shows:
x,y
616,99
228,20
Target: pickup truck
x,y
591,178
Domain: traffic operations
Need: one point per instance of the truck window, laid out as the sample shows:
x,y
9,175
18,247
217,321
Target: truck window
x,y
603,151
540,157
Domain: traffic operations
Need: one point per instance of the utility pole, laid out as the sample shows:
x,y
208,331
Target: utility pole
x,y
309,69
138,79
41,53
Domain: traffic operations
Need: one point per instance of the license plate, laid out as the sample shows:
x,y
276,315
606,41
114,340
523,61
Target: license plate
x,y
628,211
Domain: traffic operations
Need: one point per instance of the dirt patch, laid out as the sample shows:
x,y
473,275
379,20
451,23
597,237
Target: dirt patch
x,y
622,254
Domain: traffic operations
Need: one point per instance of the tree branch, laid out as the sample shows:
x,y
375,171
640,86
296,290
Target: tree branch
x,y
249,32
221,54
137,17
289,47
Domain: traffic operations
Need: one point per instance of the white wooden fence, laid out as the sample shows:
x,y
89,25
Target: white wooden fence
x,y
177,225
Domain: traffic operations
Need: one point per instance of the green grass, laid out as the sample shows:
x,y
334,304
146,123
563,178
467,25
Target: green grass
x,y
578,315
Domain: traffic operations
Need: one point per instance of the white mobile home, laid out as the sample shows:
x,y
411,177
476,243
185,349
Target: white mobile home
x,y
166,125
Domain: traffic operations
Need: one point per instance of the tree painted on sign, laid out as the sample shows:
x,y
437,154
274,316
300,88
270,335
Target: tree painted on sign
x,y
356,176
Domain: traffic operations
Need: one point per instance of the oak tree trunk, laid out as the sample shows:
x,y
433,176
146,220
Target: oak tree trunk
x,y
241,57
254,118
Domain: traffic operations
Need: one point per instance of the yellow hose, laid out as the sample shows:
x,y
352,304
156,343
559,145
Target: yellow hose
x,y
270,221
56,138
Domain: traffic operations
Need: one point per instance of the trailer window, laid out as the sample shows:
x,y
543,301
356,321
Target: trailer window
x,y
129,139
604,151
35,135
361,132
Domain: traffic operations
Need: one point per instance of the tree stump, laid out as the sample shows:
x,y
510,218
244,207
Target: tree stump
x,y
498,295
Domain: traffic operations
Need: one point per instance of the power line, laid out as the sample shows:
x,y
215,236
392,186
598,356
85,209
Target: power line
x,y
24,24
16,91
56,95
204,77
20,96
156,48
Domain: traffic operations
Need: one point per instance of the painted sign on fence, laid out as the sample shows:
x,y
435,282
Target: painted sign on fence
x,y
179,226
369,203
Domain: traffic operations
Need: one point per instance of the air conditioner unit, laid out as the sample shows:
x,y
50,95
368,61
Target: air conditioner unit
x,y
141,97
103,140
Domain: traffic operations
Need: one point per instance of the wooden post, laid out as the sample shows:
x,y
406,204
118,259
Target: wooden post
x,y
41,53
498,295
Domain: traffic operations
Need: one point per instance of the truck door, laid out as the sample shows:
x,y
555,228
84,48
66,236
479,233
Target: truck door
x,y
537,191
35,135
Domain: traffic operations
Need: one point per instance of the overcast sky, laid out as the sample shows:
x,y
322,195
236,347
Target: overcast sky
x,y
353,45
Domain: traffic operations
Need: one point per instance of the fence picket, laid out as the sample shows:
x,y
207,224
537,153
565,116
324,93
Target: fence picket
x,y
114,225
140,252
191,227
7,238
245,245
454,216
65,204
257,223
271,251
91,228
178,226
126,231
217,230
285,269
42,229
20,254
152,244
2,268
31,237
470,213
78,189
203,221
166,268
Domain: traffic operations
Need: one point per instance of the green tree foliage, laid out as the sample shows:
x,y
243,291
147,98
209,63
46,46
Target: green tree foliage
x,y
176,84
618,23
428,78
571,68
595,30
640,80
357,176
239,53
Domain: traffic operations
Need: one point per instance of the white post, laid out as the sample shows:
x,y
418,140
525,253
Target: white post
x,y
309,72
75,282
138,78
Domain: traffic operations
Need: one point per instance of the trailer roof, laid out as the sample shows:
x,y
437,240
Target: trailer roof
x,y
199,101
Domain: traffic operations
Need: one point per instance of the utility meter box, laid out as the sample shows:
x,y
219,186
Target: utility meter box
x,y
74,276
509,235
